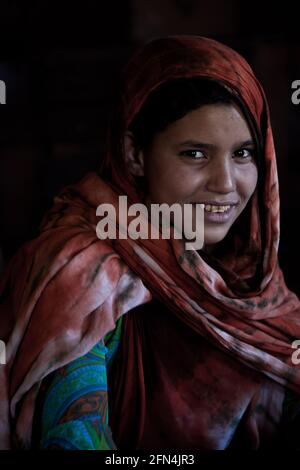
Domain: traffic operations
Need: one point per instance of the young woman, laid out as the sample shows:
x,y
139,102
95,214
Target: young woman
x,y
142,344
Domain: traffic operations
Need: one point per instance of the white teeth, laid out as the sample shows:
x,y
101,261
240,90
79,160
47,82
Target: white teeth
x,y
211,208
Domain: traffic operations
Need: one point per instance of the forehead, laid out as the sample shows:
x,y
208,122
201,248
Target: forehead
x,y
214,121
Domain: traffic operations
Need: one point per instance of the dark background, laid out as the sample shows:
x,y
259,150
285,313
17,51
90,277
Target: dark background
x,y
61,64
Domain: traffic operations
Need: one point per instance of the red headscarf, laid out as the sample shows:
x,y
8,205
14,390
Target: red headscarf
x,y
65,290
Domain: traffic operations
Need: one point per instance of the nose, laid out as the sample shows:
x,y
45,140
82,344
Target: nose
x,y
221,176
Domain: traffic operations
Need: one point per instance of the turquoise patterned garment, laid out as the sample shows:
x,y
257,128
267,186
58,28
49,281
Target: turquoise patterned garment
x,y
74,413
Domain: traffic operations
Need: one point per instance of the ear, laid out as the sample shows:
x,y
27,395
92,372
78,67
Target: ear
x,y
134,156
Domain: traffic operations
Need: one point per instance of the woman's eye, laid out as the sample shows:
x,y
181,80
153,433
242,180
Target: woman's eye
x,y
195,154
244,153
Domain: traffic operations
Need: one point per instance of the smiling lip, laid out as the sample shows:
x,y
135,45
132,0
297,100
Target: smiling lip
x,y
219,217
219,203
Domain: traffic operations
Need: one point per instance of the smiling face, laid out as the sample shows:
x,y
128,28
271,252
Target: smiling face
x,y
207,156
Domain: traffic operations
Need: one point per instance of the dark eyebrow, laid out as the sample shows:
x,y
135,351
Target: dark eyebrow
x,y
196,144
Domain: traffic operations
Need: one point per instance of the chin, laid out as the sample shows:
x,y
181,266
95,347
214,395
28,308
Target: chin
x,y
214,237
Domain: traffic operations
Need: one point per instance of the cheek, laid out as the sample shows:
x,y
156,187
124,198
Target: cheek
x,y
166,186
170,181
247,182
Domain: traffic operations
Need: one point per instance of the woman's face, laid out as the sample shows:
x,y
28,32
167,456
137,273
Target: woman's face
x,y
207,157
